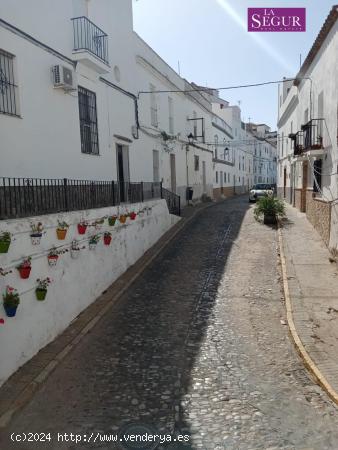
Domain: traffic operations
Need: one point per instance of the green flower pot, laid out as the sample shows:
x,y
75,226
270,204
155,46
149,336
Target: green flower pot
x,y
111,221
4,246
40,294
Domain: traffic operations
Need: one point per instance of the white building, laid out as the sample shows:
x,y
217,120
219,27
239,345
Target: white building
x,y
307,127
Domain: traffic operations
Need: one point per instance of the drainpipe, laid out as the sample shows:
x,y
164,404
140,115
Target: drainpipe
x,y
187,166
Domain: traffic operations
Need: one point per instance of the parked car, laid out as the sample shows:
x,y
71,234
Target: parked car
x,y
260,190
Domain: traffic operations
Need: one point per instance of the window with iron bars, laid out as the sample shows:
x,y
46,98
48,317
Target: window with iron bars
x,y
197,163
8,86
88,121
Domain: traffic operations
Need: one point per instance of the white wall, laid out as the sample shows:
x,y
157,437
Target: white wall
x,y
76,283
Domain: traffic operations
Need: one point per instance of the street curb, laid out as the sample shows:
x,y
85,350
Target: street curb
x,y
29,390
309,363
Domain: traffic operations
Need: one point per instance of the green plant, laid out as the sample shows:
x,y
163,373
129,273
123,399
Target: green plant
x,y
43,284
5,236
11,297
37,228
94,239
269,206
53,252
26,262
107,234
62,225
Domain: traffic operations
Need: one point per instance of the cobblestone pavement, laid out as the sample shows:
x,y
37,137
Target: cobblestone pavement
x,y
196,346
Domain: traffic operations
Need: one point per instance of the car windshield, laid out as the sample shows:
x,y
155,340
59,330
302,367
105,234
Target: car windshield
x,y
261,187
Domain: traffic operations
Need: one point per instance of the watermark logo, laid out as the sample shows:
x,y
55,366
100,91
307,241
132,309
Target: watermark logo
x,y
276,19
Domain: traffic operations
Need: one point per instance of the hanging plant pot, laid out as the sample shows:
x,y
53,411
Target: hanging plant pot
x,y
40,294
36,238
141,214
4,246
112,221
107,240
10,311
123,219
81,228
24,272
92,246
52,260
61,234
132,216
74,253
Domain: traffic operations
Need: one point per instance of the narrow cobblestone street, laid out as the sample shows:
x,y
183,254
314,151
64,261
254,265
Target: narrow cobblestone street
x,y
196,346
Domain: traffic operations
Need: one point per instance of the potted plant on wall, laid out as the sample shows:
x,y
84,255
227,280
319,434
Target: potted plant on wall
x,y
61,230
25,268
271,208
53,256
82,227
123,218
112,220
5,241
75,249
107,238
11,301
141,213
42,287
93,241
99,223
37,230
132,215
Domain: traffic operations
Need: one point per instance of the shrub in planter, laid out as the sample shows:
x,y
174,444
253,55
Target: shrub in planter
x,y
82,227
141,213
5,241
42,287
271,208
112,220
25,268
123,218
132,215
11,301
107,238
36,234
93,241
53,257
61,230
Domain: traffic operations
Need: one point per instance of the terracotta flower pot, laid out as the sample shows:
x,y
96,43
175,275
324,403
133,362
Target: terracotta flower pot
x,y
81,228
52,260
123,219
4,246
107,240
61,234
40,294
24,272
133,216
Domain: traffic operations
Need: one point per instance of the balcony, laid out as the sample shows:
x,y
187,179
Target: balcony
x,y
310,139
90,45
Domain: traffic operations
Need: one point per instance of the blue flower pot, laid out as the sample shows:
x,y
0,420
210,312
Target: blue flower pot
x,y
10,312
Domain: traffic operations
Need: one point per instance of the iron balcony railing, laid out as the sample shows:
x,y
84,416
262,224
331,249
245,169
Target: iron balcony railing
x,y
87,36
25,197
313,134
173,201
298,142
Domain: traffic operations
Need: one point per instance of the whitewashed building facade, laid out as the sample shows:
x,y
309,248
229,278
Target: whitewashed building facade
x,y
307,134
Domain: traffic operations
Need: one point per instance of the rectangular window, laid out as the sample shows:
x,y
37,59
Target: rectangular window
x,y
197,163
216,177
171,115
225,177
317,175
8,86
153,107
228,177
88,121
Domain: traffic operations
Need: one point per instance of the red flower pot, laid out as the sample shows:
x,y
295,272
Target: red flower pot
x,y
25,272
107,240
81,228
132,216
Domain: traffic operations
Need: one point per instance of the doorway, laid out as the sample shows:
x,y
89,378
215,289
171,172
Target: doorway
x,y
122,157
204,177
173,173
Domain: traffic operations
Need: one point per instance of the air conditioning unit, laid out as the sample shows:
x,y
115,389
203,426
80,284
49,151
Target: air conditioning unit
x,y
63,77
